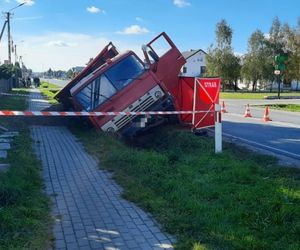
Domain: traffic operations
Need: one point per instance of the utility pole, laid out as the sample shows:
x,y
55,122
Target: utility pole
x,y
16,55
8,15
3,29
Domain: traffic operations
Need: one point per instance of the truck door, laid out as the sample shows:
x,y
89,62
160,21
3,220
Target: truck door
x,y
165,60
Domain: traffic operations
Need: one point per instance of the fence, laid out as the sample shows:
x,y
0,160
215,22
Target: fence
x,y
5,85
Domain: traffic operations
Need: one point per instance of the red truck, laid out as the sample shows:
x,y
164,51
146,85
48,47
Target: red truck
x,y
124,82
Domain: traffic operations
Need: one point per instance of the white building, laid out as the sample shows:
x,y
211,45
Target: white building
x,y
195,63
295,85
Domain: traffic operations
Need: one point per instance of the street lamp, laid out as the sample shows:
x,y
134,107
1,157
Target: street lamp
x,y
21,4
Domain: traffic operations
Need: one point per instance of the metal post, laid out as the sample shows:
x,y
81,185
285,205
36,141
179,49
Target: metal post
x,y
218,129
194,101
278,82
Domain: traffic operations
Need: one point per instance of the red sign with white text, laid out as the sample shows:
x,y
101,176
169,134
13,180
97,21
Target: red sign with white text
x,y
198,94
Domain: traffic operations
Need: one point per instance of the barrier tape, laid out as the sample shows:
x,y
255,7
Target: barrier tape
x,y
22,95
95,114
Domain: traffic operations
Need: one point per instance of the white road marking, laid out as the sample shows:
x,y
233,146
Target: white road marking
x,y
297,156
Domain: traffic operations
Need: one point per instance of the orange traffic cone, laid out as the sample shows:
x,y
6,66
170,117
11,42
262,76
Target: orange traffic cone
x,y
223,109
247,113
266,117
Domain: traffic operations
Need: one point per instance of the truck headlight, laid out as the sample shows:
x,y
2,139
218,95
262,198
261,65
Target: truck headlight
x,y
111,130
158,94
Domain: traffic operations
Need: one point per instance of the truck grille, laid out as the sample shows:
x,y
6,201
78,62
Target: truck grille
x,y
142,106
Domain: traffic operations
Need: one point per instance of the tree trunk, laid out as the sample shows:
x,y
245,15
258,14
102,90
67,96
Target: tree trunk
x,y
271,88
253,86
236,86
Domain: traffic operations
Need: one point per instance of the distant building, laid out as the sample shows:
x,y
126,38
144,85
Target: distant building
x,y
196,63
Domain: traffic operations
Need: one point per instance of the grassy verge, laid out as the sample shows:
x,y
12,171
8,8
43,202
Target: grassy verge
x,y
285,107
24,218
13,102
236,200
18,103
247,95
24,208
49,90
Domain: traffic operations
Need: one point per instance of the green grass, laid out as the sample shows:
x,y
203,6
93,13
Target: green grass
x,y
49,90
47,85
24,207
249,95
236,200
16,103
13,102
285,107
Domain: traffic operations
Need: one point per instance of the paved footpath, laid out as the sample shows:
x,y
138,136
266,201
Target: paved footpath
x,y
87,206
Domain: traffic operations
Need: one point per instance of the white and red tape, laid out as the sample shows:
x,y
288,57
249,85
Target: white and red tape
x,y
22,95
95,114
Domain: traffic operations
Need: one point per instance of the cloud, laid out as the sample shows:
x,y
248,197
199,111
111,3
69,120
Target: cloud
x,y
139,19
181,3
133,30
27,2
60,44
94,10
64,50
57,50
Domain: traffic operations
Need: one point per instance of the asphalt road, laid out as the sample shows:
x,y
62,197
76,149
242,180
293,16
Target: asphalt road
x,y
59,82
280,137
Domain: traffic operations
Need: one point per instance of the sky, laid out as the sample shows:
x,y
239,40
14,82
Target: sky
x,y
65,33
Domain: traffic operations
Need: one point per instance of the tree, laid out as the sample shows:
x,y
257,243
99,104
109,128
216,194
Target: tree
x,y
257,63
223,34
6,71
277,39
236,71
17,71
49,72
221,60
70,74
292,36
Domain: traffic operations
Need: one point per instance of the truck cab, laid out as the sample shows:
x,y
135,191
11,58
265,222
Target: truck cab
x,y
127,83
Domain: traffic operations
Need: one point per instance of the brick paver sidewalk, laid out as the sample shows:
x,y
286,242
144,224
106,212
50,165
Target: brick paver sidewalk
x,y
89,212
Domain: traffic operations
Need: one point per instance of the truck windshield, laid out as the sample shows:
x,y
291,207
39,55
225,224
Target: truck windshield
x,y
110,82
96,93
125,72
